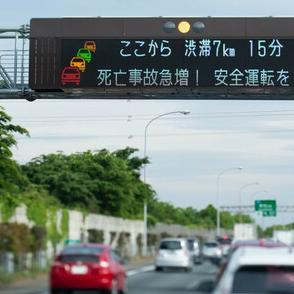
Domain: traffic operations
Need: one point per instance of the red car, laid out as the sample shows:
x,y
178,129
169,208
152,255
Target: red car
x,y
70,75
94,267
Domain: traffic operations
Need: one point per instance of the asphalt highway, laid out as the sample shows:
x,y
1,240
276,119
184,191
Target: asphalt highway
x,y
146,281
171,281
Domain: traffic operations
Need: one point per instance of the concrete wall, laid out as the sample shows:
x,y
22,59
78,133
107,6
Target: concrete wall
x,y
178,230
112,227
79,226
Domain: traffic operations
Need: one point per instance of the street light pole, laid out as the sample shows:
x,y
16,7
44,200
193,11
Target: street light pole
x,y
144,170
240,197
218,196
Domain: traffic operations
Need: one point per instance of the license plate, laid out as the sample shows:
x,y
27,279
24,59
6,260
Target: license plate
x,y
79,269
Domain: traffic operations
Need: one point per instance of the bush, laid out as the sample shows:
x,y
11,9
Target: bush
x,y
38,238
16,238
95,236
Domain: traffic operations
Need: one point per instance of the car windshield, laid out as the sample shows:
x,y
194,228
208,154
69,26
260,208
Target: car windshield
x,y
170,245
264,279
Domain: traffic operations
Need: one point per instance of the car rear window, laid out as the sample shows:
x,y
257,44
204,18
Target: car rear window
x,y
225,241
170,245
80,250
264,279
211,244
79,258
191,244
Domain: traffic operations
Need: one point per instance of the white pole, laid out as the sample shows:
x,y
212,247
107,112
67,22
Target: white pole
x,y
218,224
144,174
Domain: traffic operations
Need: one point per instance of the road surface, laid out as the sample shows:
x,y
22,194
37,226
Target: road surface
x,y
144,282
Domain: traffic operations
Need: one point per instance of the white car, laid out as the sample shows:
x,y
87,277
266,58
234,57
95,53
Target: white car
x,y
211,250
258,270
173,253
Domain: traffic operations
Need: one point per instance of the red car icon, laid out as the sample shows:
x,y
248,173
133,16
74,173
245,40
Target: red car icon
x,y
70,75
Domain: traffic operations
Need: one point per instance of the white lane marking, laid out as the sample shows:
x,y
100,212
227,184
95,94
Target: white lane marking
x,y
143,269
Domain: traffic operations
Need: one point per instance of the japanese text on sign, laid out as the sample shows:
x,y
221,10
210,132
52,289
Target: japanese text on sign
x,y
178,63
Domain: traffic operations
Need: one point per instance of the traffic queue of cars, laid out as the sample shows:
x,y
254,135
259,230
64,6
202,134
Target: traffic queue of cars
x,y
182,253
250,266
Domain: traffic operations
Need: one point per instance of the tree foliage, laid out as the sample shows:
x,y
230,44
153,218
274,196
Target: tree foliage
x,y
100,181
11,178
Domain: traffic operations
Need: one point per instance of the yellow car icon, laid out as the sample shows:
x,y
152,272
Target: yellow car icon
x,y
90,45
78,62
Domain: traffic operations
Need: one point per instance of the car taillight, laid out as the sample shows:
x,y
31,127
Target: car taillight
x,y
104,264
104,261
77,76
58,266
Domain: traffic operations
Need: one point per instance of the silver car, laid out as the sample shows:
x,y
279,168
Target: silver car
x,y
173,253
211,250
194,248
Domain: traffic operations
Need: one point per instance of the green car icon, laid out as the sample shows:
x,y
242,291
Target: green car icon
x,y
85,53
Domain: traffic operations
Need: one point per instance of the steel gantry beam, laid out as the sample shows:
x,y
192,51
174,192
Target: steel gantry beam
x,y
14,63
251,208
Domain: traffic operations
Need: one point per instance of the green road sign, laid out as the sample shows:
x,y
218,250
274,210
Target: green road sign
x,y
71,242
267,207
269,213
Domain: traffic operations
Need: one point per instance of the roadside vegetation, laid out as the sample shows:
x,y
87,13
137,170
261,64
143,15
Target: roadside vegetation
x,y
102,182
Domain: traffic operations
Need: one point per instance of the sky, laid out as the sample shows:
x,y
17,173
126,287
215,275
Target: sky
x,y
187,153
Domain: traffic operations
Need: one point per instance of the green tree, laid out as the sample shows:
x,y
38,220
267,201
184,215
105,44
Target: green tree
x,y
11,178
102,181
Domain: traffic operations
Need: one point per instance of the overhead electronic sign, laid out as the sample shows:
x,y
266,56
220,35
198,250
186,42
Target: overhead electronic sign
x,y
163,56
181,63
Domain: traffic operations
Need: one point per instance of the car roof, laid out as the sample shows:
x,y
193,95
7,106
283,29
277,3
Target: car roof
x,y
257,243
173,239
251,256
89,245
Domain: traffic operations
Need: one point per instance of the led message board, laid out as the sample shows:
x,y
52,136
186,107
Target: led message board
x,y
161,63
163,56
